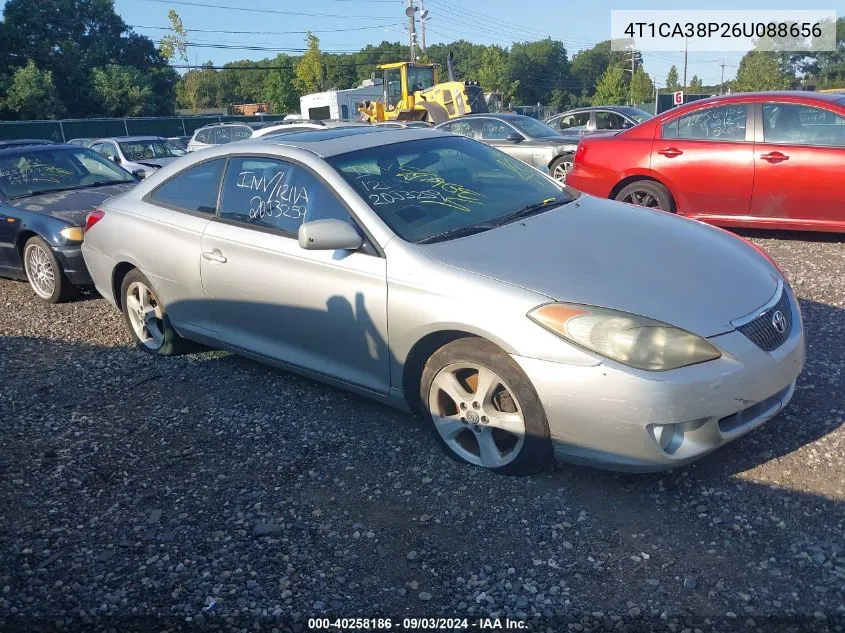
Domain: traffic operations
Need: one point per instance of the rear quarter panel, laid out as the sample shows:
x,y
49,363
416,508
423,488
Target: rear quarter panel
x,y
602,162
164,245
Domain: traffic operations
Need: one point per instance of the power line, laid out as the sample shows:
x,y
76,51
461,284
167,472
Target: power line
x,y
273,11
355,28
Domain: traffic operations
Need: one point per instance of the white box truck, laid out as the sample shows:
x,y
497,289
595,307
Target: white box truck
x,y
339,104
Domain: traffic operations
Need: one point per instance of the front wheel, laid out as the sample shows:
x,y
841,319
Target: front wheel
x,y
483,409
146,317
560,167
647,193
44,272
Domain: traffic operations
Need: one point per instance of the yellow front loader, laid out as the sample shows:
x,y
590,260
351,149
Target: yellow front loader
x,y
412,92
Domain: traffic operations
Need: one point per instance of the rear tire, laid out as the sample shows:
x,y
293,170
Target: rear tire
x,y
147,319
647,193
483,410
44,272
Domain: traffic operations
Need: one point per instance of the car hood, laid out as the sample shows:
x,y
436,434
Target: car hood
x,y
614,255
156,162
72,206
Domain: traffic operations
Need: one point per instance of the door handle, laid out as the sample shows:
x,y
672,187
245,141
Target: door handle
x,y
775,157
669,152
214,256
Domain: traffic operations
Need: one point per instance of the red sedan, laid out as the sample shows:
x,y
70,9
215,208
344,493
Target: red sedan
x,y
760,160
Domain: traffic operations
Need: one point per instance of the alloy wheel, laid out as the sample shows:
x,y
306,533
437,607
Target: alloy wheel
x,y
39,271
477,415
561,170
642,199
145,315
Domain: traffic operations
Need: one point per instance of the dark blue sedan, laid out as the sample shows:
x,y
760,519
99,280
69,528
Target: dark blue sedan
x,y
46,192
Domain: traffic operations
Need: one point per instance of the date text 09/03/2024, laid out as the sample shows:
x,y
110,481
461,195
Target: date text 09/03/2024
x,y
415,624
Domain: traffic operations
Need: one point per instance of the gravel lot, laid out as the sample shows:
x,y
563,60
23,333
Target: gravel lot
x,y
208,492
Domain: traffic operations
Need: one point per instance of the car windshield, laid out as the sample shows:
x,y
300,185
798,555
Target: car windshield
x,y
25,173
533,127
638,115
146,150
433,189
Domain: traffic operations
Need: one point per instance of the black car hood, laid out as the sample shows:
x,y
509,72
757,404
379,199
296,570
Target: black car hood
x,y
71,206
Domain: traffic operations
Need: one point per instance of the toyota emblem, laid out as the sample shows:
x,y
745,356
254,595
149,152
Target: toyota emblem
x,y
779,322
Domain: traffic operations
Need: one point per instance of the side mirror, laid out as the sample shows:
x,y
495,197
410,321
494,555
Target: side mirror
x,y
140,174
329,235
515,137
116,159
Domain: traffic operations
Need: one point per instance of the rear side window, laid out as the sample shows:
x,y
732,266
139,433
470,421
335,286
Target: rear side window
x,y
193,190
275,194
722,123
795,124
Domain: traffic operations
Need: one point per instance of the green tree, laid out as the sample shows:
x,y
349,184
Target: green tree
x,y
695,84
641,87
611,88
541,67
279,88
72,37
759,70
123,91
672,82
589,65
32,94
309,71
493,74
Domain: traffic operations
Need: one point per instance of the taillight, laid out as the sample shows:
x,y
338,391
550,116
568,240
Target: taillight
x,y
92,218
580,152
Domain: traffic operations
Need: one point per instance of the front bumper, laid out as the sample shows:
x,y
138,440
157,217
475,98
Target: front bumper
x,y
73,265
611,416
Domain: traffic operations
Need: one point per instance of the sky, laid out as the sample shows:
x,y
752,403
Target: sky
x,y
348,25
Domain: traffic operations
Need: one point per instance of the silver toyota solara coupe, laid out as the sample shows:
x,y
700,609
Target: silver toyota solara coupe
x,y
524,321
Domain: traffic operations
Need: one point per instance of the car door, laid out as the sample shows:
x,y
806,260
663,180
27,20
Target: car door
x,y
706,159
179,210
799,165
9,227
496,133
322,311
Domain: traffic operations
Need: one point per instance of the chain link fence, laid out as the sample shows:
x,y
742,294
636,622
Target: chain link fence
x,y
65,130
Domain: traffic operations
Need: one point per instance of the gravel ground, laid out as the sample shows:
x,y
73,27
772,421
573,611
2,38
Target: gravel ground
x,y
208,492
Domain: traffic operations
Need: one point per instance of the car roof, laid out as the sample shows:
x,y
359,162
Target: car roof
x,y
125,139
335,141
40,147
207,125
495,115
829,97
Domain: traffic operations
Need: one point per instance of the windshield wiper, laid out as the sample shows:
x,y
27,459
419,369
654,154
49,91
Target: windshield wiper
x,y
530,209
39,192
462,231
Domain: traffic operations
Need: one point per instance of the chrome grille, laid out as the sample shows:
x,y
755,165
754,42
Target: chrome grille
x,y
762,330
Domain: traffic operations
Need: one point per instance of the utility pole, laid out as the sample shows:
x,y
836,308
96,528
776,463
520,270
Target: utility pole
x,y
409,11
722,83
423,18
656,93
686,46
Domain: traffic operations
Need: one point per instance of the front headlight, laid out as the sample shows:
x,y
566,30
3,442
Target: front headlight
x,y
626,338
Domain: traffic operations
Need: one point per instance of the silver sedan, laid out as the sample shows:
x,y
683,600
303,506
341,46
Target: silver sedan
x,y
522,320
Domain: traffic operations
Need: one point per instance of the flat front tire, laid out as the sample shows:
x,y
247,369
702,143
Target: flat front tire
x,y
483,409
146,317
44,272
